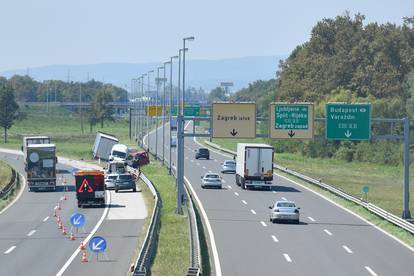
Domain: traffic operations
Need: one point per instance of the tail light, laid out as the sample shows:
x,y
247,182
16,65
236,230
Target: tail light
x,y
296,211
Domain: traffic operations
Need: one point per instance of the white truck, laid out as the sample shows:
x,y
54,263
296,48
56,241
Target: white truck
x,y
103,145
254,165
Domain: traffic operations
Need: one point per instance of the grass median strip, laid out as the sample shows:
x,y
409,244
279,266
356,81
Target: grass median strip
x,y
173,251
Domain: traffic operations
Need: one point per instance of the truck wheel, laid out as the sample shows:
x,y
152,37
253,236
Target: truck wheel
x,y
134,190
116,190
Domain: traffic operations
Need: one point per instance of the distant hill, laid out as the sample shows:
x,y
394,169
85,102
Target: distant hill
x,y
200,73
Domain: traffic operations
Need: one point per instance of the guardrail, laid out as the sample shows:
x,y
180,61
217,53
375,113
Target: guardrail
x,y
406,225
13,181
195,259
147,252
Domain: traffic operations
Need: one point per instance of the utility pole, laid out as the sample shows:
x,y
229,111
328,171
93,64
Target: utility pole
x,y
163,114
80,105
149,119
171,108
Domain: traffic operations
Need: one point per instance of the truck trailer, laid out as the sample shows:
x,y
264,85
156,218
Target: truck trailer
x,y
254,165
103,145
40,165
90,188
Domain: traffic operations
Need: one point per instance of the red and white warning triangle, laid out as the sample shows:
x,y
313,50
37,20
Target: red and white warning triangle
x,y
85,187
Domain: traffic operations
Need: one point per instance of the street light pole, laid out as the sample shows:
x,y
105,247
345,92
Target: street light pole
x,y
143,122
171,105
163,114
157,81
148,117
180,137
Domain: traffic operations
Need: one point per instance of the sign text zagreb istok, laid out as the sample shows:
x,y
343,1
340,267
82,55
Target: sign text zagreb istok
x,y
348,121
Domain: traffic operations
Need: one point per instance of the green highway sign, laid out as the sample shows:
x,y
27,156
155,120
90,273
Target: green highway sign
x,y
365,189
348,121
192,110
291,120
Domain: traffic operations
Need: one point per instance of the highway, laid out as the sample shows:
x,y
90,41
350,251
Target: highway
x,y
329,240
32,244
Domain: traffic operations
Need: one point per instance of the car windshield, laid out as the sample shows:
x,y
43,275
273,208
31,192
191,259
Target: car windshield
x,y
203,150
229,163
286,204
212,176
119,154
125,177
113,177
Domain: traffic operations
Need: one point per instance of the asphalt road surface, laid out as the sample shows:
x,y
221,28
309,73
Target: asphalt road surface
x,y
32,244
328,241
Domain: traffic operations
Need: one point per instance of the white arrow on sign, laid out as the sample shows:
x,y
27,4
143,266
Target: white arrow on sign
x,y
77,220
95,246
348,134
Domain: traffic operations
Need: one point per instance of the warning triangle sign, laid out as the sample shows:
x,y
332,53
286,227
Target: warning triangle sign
x,y
85,187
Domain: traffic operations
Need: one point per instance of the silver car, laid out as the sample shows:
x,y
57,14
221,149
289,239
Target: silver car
x,y
211,180
125,182
110,181
228,166
284,211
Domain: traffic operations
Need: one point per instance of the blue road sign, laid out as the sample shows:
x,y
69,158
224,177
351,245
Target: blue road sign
x,y
77,220
97,244
365,189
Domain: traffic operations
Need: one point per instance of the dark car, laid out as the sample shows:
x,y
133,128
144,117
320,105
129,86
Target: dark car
x,y
202,153
125,182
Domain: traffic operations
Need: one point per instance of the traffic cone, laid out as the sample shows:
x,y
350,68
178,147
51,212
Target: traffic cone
x,y
71,237
60,225
58,219
58,206
64,230
84,257
54,213
82,246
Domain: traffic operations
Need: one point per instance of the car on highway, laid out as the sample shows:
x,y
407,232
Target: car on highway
x,y
174,141
211,180
110,181
228,166
284,211
202,153
125,182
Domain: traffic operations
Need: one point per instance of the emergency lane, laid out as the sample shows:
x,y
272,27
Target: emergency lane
x,y
328,241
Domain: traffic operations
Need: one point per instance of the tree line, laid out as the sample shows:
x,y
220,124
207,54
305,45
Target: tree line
x,y
344,60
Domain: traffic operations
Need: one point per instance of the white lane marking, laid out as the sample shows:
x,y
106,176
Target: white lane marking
x,y
244,202
85,241
371,271
347,249
229,187
198,164
327,232
274,238
204,168
31,233
263,223
10,249
253,211
284,198
274,192
288,259
45,219
236,193
311,219
216,258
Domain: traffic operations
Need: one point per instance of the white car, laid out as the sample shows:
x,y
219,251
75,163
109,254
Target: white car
x,y
110,181
211,180
284,211
173,141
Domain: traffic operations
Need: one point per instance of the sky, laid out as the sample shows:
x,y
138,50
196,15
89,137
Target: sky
x,y
49,32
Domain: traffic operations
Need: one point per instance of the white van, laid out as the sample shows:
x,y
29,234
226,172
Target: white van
x,y
119,152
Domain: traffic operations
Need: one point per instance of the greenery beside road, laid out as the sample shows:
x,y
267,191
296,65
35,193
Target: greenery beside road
x,y
385,181
5,174
173,250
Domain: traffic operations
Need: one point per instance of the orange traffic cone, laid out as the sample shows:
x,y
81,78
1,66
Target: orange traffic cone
x,y
60,225
54,213
58,206
82,246
65,197
84,258
71,237
58,219
64,230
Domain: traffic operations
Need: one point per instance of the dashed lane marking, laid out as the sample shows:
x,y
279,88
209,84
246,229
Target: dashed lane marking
x,y
327,232
45,219
274,238
31,233
253,211
9,250
371,271
311,219
288,259
347,249
263,223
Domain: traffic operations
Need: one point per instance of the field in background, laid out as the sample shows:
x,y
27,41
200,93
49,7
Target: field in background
x,y
65,129
385,182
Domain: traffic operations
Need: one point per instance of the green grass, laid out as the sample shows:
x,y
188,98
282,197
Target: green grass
x,y
385,182
173,251
11,196
64,129
5,174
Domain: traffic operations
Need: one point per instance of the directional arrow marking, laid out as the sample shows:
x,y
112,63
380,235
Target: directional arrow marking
x,y
77,220
233,132
291,133
348,134
96,247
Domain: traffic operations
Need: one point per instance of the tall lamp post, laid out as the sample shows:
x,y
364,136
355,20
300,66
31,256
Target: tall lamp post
x,y
149,125
156,115
171,105
143,122
163,112
180,137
